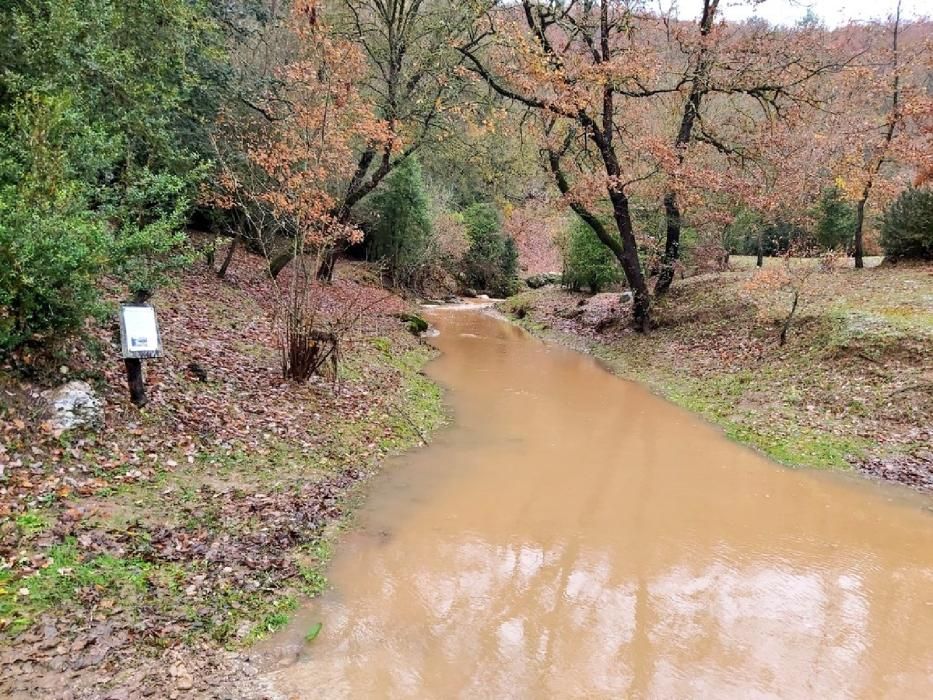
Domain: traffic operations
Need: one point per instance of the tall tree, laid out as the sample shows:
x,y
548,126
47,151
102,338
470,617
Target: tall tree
x,y
409,78
879,151
698,72
741,79
575,63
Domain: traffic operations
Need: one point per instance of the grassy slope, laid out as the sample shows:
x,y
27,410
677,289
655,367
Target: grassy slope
x,y
208,514
852,387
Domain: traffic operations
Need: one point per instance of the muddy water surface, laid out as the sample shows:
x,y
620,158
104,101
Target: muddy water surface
x,y
573,536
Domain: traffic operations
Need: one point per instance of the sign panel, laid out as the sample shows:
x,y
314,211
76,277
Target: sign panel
x,y
139,331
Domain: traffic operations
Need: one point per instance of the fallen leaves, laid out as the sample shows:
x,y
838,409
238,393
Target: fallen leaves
x,y
187,517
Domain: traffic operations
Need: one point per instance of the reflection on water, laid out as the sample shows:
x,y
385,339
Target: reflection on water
x,y
574,536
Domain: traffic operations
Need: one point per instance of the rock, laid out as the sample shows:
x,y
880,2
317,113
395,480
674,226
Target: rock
x,y
538,281
626,297
182,676
416,324
74,405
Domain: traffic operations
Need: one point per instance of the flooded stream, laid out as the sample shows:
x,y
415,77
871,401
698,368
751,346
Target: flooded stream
x,y
571,535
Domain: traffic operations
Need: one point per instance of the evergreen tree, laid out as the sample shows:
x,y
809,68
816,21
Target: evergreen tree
x,y
835,220
491,262
401,234
907,226
587,262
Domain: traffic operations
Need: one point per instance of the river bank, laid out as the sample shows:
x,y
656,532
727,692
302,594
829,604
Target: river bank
x,y
145,556
571,535
851,389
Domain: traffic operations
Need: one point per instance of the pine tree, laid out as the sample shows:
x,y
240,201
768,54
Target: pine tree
x,y
401,235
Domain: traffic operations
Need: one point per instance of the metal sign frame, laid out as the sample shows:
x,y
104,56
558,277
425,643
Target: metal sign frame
x,y
130,353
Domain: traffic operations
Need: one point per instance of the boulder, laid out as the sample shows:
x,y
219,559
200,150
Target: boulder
x,y
415,323
538,281
74,405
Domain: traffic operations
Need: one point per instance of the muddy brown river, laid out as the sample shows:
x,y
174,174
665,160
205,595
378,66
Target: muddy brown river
x,y
573,536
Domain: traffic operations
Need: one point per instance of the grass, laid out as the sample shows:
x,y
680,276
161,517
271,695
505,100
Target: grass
x,y
33,522
62,577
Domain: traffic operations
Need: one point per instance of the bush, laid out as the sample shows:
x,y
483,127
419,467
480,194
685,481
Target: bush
x,y
491,262
49,265
835,220
587,261
60,233
92,184
777,236
907,226
401,235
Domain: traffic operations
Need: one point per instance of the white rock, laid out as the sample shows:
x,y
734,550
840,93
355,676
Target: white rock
x,y
73,405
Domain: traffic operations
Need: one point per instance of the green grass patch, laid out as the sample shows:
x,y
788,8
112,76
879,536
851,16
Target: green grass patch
x,y
23,599
32,522
274,620
806,448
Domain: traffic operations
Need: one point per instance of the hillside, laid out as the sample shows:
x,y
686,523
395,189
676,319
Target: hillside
x,y
202,518
851,389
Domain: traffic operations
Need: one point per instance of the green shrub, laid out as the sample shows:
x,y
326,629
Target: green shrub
x,y
491,262
401,234
104,110
907,226
49,264
60,232
835,220
587,261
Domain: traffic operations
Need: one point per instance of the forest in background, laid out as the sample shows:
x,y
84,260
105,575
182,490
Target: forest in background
x,y
459,146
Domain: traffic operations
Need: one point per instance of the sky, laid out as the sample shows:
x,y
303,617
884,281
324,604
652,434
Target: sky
x,y
832,12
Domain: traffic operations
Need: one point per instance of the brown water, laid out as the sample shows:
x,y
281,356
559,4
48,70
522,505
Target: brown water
x,y
573,536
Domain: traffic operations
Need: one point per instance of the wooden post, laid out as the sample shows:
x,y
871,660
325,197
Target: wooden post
x,y
139,340
134,377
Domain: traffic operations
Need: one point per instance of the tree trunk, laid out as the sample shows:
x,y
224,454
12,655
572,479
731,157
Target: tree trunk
x,y
134,378
761,251
625,250
859,252
631,265
222,272
684,134
671,244
325,271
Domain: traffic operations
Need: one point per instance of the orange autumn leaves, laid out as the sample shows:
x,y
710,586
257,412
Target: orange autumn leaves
x,y
296,151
